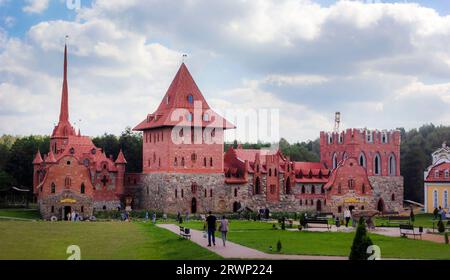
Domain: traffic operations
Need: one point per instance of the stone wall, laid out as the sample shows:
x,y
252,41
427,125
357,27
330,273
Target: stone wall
x,y
82,204
390,190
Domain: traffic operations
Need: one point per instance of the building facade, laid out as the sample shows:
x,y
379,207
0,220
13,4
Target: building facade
x,y
75,175
359,169
437,181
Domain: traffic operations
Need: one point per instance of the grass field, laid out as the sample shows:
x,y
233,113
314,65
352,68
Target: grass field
x,y
20,213
97,240
420,220
259,235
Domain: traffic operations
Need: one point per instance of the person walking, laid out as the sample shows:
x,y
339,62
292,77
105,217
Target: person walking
x,y
179,217
211,221
154,218
146,216
347,216
223,228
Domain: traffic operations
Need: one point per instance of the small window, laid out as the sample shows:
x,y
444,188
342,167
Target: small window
x,y
104,207
104,166
235,192
446,174
363,188
53,188
206,117
189,117
313,189
53,209
68,162
206,193
175,162
176,193
210,162
194,157
339,189
393,197
182,161
275,173
182,193
82,209
204,162
82,188
210,193
436,174
190,98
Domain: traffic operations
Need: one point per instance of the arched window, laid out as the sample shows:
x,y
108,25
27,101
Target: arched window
x,y
235,192
362,160
210,193
175,163
275,172
194,157
67,182
176,193
322,189
435,199
377,164
344,156
204,162
363,188
303,189
53,188
445,199
182,161
313,189
393,197
182,193
270,172
335,161
339,189
392,165
257,186
301,202
82,188
210,162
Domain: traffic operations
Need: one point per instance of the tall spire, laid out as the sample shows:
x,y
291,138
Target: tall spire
x,y
64,113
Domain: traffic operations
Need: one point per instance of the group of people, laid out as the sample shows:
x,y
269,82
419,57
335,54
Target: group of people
x,y
74,216
440,213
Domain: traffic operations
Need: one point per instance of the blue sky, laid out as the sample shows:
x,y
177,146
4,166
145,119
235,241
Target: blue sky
x,y
383,65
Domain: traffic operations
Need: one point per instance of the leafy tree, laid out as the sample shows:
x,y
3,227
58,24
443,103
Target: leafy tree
x,y
131,144
360,243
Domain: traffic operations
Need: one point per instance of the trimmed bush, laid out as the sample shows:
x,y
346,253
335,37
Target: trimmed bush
x,y
279,246
360,243
441,226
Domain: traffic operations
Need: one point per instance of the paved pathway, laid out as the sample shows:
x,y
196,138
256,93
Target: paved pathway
x,y
236,251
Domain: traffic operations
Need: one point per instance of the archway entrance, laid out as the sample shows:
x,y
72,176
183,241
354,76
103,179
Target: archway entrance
x,y
194,205
236,206
67,210
380,205
319,205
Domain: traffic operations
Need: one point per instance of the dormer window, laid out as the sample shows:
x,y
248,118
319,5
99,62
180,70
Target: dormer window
x,y
436,174
446,174
206,117
72,151
190,99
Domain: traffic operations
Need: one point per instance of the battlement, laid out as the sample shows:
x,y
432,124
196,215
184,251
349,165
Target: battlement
x,y
360,136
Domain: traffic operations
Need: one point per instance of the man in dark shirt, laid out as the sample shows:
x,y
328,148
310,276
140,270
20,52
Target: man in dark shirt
x,y
211,224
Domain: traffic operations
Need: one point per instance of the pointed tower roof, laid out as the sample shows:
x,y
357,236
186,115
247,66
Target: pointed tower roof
x,y
38,158
64,128
183,93
50,158
121,158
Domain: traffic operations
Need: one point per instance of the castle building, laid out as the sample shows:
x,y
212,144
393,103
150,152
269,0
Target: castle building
x,y
437,181
366,169
359,169
75,175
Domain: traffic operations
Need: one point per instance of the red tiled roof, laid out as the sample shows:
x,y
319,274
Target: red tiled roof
x,y
441,168
121,158
176,98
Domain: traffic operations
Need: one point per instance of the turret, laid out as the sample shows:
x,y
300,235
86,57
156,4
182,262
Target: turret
x,y
36,170
120,165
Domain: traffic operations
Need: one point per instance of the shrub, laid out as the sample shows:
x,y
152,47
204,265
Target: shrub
x,y
279,246
274,226
411,215
360,243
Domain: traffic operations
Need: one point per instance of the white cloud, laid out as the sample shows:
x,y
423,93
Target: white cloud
x,y
379,64
35,6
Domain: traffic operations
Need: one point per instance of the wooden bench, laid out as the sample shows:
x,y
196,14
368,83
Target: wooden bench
x,y
325,215
399,220
185,232
409,230
317,222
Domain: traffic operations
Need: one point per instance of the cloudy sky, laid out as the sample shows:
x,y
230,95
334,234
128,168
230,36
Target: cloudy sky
x,y
382,64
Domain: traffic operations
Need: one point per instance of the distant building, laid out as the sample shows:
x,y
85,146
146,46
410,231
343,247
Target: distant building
x,y
75,175
437,181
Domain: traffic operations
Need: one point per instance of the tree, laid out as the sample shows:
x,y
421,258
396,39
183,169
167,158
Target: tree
x,y
131,144
360,243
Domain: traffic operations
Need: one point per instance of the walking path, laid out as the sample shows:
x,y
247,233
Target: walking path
x,y
236,251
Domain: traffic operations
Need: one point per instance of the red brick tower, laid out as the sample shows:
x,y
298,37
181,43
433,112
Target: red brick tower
x,y
183,135
63,129
377,151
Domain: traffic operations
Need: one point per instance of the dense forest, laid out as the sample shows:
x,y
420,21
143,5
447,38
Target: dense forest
x,y
17,153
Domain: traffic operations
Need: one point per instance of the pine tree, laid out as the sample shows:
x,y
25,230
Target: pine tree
x,y
360,243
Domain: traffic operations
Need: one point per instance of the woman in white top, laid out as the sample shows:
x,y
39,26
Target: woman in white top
x,y
223,228
347,216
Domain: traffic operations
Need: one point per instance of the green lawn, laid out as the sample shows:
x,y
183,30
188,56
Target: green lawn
x,y
20,213
420,220
97,240
259,235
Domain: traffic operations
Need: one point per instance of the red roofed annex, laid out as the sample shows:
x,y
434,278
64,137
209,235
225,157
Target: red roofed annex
x,y
75,175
